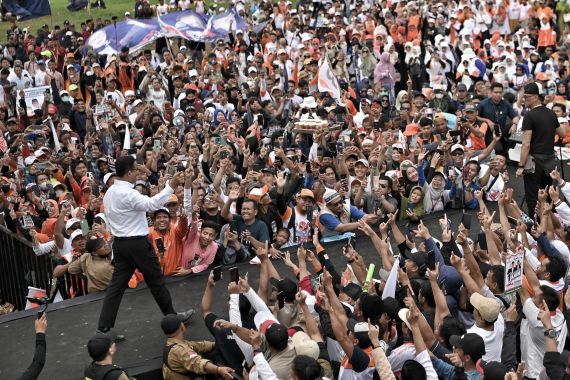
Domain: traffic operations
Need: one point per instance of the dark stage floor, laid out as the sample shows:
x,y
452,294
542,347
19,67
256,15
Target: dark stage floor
x,y
72,322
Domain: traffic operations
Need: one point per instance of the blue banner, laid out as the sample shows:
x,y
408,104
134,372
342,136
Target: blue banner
x,y
27,9
190,25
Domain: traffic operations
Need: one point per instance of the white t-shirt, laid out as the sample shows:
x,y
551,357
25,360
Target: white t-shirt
x,y
492,193
533,341
158,97
493,339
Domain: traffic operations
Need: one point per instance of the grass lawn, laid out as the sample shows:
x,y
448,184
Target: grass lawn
x,y
59,14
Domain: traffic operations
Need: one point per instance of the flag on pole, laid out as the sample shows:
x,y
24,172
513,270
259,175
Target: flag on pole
x,y
391,283
169,30
54,134
327,81
127,142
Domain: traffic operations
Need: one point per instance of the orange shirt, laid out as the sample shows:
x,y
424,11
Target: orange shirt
x,y
172,240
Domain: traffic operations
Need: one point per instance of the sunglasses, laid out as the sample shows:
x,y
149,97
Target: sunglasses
x,y
399,150
337,203
457,153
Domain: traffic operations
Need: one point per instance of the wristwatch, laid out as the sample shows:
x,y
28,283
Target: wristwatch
x,y
550,333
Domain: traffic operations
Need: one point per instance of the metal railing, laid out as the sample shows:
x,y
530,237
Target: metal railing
x,y
20,268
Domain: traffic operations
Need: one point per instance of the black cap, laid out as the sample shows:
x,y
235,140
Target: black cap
x,y
425,121
471,344
352,290
99,344
531,89
286,286
277,336
93,244
170,324
420,259
269,170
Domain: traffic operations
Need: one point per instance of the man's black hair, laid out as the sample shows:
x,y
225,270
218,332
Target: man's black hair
x,y
496,85
556,267
211,224
123,165
254,203
306,368
450,326
412,370
498,272
551,297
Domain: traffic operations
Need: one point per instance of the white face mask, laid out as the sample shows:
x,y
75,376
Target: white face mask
x,y
439,96
65,98
139,144
58,193
43,186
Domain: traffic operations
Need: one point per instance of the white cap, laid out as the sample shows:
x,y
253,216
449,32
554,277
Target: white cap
x,y
129,93
107,177
69,34
71,222
193,73
30,160
137,102
252,70
281,51
454,147
75,234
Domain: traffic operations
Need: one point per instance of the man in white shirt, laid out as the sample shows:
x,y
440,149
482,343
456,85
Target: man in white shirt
x,y
489,325
125,209
21,78
533,338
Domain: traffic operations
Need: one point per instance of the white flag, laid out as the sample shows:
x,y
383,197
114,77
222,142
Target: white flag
x,y
391,283
54,133
327,81
127,142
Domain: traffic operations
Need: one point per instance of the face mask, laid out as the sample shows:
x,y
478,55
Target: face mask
x,y
43,186
65,98
139,144
5,189
439,96
551,91
58,193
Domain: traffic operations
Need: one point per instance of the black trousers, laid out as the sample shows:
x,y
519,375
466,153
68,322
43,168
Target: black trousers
x,y
131,254
538,180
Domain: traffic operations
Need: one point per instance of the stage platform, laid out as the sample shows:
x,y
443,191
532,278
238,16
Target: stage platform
x,y
71,323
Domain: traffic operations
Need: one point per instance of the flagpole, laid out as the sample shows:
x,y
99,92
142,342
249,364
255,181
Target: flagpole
x,y
114,18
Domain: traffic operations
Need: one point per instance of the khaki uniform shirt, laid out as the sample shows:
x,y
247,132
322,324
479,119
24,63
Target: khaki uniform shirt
x,y
98,270
184,357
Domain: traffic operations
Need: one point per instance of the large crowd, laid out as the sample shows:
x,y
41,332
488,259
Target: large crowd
x,y
434,98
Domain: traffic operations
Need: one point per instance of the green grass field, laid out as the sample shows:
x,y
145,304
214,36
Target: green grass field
x,y
59,14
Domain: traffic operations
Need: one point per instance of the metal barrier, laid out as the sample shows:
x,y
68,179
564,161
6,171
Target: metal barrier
x,y
20,268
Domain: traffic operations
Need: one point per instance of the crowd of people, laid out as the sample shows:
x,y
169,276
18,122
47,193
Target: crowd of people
x,y
240,155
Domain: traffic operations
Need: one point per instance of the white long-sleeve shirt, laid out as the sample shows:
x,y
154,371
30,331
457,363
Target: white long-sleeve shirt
x,y
235,318
125,208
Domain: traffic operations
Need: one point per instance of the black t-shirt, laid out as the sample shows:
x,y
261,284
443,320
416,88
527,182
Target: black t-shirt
x,y
215,218
230,354
543,124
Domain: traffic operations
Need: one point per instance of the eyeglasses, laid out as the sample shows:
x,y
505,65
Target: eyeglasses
x,y
398,150
384,100
457,153
336,203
